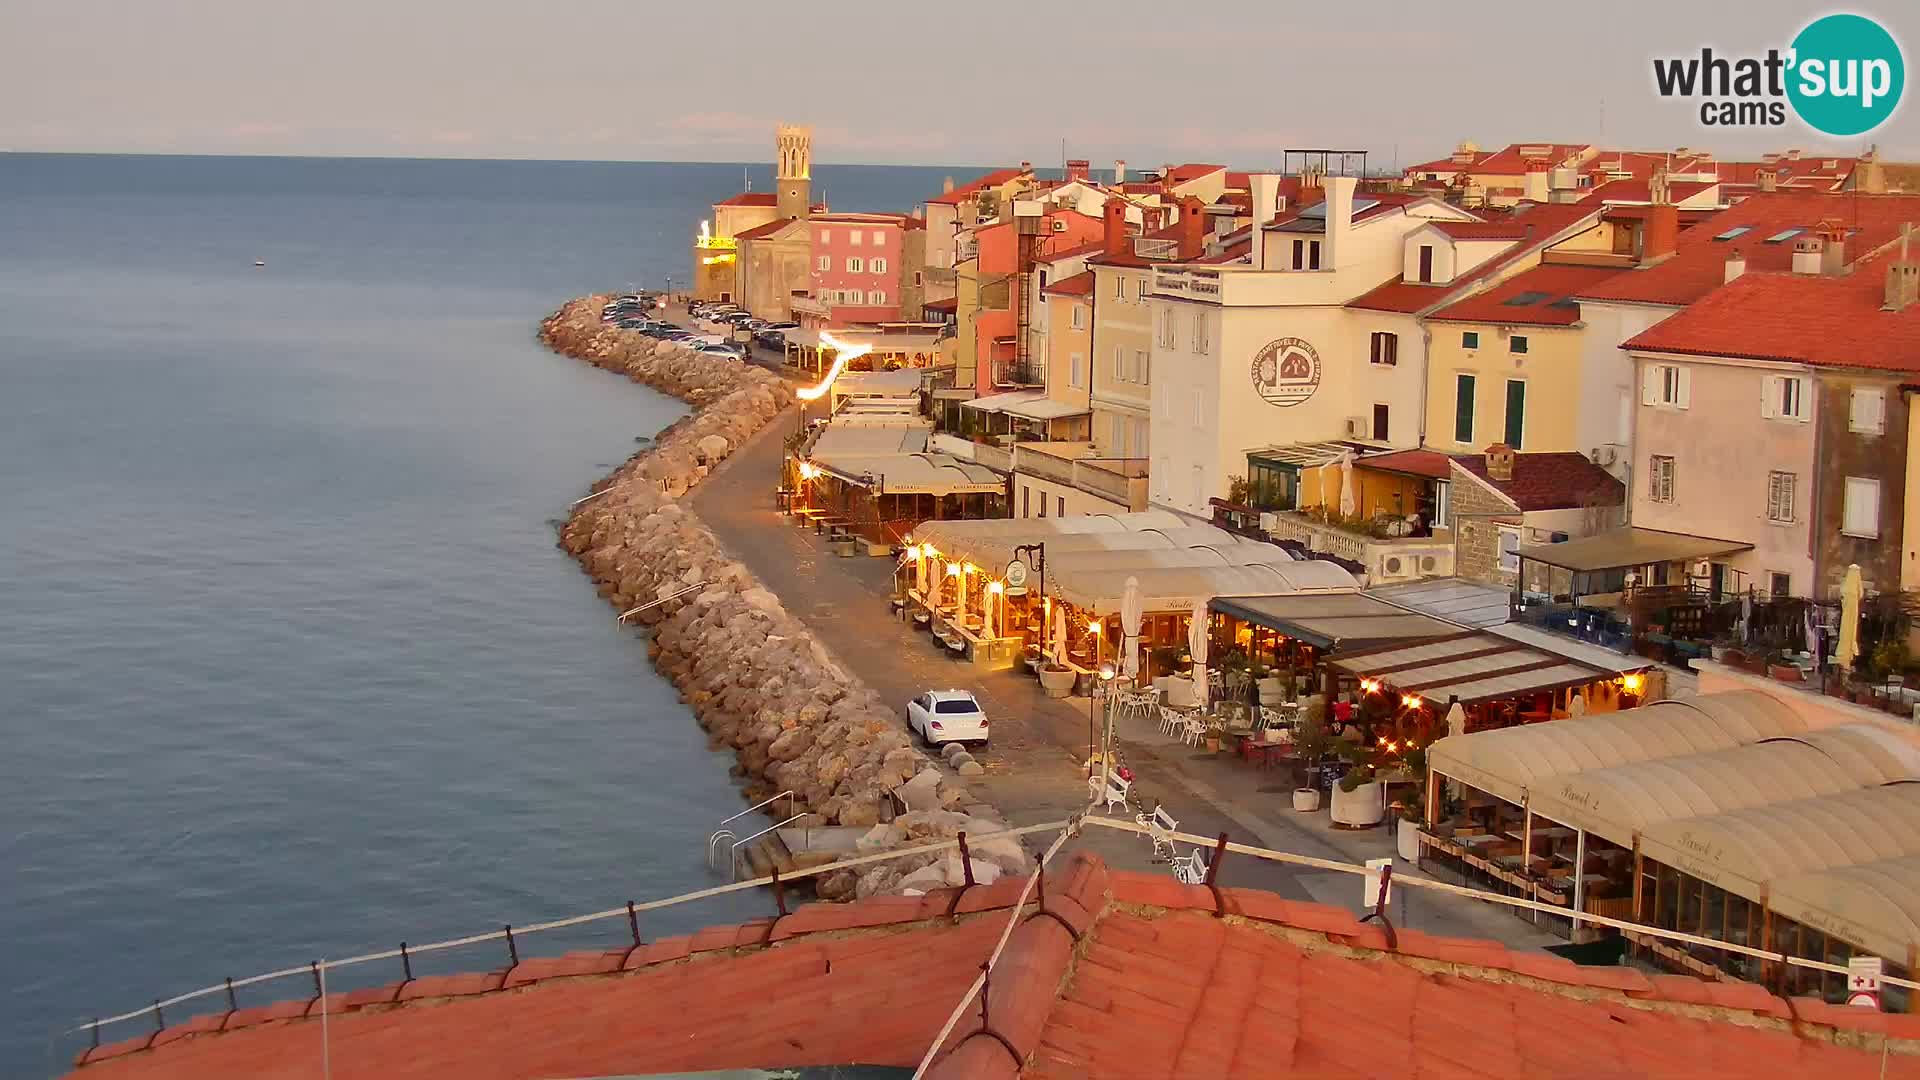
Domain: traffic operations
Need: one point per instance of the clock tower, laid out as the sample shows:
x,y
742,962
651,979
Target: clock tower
x,y
793,170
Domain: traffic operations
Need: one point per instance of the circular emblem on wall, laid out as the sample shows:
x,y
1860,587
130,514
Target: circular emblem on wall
x,y
1286,372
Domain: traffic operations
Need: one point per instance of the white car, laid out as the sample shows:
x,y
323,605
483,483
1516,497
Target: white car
x,y
944,716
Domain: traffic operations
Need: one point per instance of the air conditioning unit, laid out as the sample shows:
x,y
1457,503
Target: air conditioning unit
x,y
1357,427
1603,455
1059,225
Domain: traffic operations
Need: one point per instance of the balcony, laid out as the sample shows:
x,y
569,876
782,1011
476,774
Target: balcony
x,y
1117,480
1382,557
807,305
1019,373
1188,283
939,275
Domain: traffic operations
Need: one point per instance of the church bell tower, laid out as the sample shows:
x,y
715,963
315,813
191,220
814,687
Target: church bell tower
x,y
793,170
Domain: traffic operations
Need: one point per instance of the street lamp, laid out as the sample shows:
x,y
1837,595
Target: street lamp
x,y
1105,675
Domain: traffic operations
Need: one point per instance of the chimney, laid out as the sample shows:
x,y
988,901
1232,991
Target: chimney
x,y
1339,219
1736,265
1903,276
946,188
1119,171
1873,175
1077,169
1660,237
1264,192
1535,189
1768,181
1833,253
1500,462
1806,254
1192,228
1115,237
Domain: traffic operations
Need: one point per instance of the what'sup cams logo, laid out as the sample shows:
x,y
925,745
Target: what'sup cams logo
x,y
1842,76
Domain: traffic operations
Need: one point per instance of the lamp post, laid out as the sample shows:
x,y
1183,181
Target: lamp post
x,y
1097,691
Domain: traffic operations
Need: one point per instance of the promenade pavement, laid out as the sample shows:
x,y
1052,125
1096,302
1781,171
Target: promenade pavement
x,y
1035,767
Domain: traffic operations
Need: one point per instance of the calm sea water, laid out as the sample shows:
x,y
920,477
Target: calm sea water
x,y
289,664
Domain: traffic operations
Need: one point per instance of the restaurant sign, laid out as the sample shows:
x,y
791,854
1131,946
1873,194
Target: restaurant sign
x,y
1286,372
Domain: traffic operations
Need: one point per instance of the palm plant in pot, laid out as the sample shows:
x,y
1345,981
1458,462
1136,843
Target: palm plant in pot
x,y
1357,800
1309,746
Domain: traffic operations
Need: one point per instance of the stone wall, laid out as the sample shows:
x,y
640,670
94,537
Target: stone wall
x,y
1477,516
755,676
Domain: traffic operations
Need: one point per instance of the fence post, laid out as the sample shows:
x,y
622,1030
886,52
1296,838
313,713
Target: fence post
x,y
633,923
779,892
406,963
513,951
1213,874
159,1017
232,1006
96,1033
966,859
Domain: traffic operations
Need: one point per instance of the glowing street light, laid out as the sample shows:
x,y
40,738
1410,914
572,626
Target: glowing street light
x,y
842,352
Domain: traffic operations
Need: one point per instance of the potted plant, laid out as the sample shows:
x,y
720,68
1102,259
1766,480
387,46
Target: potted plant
x,y
1310,745
1409,813
1359,800
1056,679
1779,670
1214,731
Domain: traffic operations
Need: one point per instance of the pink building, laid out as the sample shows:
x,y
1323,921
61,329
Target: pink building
x,y
857,263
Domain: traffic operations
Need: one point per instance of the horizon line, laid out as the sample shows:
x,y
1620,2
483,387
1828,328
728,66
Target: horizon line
x,y
8,152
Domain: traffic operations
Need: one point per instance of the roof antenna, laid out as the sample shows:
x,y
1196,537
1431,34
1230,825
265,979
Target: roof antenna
x,y
746,177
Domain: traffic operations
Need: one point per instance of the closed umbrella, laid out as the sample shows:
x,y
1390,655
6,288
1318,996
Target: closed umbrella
x,y
920,571
1577,705
1456,725
1130,616
960,596
1848,648
1746,617
1346,485
1059,630
1197,646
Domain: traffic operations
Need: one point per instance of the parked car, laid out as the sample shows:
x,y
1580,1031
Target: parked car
x,y
944,716
727,351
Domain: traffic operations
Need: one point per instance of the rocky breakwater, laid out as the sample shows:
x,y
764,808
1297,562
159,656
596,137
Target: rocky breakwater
x,y
756,677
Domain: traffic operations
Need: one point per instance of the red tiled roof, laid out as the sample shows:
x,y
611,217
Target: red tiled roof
x,y
1237,180
768,229
1699,265
1558,481
1233,252
1124,975
750,198
1074,252
1080,284
1192,170
1555,282
1639,191
1536,225
1428,463
949,304
1511,162
1828,321
972,187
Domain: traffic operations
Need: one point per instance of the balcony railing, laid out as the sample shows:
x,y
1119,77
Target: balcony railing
x,y
997,458
1019,373
939,275
1381,558
1194,284
1120,480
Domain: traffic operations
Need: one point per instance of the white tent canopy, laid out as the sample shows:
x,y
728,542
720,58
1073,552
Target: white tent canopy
x,y
1510,762
1178,588
1875,905
894,456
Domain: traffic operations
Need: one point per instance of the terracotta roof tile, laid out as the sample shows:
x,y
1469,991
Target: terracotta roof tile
x,y
972,187
1550,481
1157,987
1080,284
1537,297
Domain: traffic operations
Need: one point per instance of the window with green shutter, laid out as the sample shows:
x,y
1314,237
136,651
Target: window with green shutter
x,y
1463,409
1516,411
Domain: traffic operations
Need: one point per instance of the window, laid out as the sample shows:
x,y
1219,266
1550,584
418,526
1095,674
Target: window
x,y
1119,287
1201,342
1469,339
1517,343
1779,584
1861,516
1077,377
1166,329
1140,290
916,279
1313,254
877,298
1509,550
1784,397
1516,412
877,265
1043,504
1139,365
1119,363
1426,263
1380,423
824,235
856,265
824,262
1059,507
1443,505
1386,348
1463,409
1868,413
854,236
1199,410
1299,254
879,238
1026,508
1780,487
1079,315
1666,385
1660,478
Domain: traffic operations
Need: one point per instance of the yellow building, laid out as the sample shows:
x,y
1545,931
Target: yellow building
x,y
1069,348
1121,343
1504,365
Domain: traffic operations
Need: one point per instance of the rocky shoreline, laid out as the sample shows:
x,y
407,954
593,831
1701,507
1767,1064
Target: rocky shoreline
x,y
756,677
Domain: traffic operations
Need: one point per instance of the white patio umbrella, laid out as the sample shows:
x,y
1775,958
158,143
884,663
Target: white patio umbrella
x,y
1456,725
1848,648
920,570
1130,616
1746,616
1059,630
1197,647
1346,485
1577,705
960,596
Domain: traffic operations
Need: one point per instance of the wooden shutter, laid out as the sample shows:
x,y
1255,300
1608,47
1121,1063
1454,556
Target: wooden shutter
x,y
1685,386
1649,384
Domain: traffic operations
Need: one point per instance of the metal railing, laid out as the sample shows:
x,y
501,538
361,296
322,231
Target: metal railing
x,y
714,840
1220,845
733,854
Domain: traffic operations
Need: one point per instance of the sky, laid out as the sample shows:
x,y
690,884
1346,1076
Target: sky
x,y
885,82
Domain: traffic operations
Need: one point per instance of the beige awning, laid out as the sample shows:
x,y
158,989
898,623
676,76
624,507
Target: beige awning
x,y
990,542
1875,905
1046,408
1511,762
1180,588
993,403
1628,547
1475,666
1330,622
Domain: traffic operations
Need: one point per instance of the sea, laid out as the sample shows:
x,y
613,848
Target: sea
x,y
290,666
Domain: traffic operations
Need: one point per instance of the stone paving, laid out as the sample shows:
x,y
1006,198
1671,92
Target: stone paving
x,y
1035,766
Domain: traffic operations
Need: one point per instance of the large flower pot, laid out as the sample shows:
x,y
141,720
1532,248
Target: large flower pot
x,y
1056,681
1409,840
1362,808
1785,673
1306,799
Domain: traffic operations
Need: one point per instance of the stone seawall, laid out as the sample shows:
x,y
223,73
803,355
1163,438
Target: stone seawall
x,y
755,676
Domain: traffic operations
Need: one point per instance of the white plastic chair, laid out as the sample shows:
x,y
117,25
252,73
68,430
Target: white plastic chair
x,y
1116,794
1191,870
1196,731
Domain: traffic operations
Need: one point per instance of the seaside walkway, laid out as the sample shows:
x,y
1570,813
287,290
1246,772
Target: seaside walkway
x,y
1035,764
